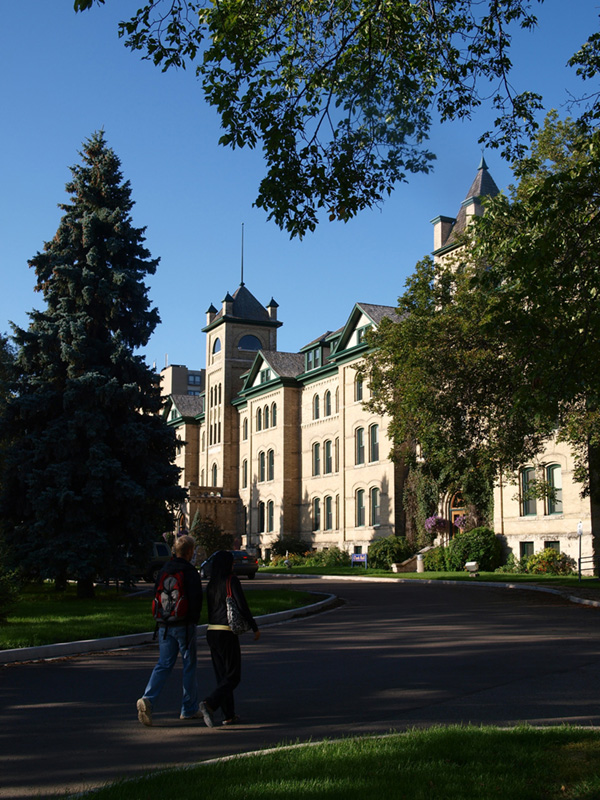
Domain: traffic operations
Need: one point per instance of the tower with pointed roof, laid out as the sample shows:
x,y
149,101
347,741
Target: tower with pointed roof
x,y
234,334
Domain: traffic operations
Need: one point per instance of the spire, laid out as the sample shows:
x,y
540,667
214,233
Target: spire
x,y
242,277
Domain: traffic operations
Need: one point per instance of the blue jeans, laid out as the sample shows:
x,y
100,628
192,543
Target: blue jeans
x,y
179,639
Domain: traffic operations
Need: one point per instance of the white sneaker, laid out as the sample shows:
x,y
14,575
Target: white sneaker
x,y
207,714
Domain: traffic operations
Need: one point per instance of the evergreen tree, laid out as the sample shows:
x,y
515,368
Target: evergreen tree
x,y
89,474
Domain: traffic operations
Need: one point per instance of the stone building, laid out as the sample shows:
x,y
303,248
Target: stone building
x,y
280,443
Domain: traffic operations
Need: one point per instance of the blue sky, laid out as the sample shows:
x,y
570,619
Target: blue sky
x,y
65,75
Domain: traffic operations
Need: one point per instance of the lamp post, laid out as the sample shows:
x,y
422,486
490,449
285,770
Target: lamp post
x,y
580,535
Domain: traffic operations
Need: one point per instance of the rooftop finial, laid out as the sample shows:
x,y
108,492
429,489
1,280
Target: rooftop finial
x,y
242,281
482,164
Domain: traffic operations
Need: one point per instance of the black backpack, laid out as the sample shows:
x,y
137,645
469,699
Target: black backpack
x,y
170,602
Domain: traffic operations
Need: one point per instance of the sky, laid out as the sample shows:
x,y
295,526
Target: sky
x,y
66,75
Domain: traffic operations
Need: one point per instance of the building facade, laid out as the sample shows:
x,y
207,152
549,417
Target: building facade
x,y
277,443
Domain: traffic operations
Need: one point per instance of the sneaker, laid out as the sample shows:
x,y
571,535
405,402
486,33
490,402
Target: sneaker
x,y
196,715
144,710
207,715
235,720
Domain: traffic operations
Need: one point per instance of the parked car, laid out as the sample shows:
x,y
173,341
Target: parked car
x,y
243,564
157,558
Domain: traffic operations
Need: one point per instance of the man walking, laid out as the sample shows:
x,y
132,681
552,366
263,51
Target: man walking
x,y
177,607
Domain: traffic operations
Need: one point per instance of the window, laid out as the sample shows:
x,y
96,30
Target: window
x,y
270,516
259,419
316,407
358,388
316,459
337,455
249,342
261,517
270,465
554,480
266,417
265,375
525,549
261,466
316,514
552,546
216,346
204,441
327,404
360,334
328,456
214,475
360,508
274,415
528,504
374,443
244,474
313,358
375,507
309,360
328,514
337,401
195,380
359,443
245,429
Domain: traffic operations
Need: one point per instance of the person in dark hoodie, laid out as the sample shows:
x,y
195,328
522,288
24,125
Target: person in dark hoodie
x,y
224,644
177,637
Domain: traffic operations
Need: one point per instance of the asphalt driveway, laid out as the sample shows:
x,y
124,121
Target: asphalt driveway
x,y
393,656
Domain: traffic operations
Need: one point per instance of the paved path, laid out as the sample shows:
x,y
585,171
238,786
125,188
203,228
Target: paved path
x,y
392,657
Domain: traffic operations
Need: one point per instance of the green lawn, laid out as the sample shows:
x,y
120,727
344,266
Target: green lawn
x,y
445,763
44,616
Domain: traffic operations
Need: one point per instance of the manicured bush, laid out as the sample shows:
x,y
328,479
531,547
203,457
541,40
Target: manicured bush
x,y
293,560
480,544
385,552
332,557
435,560
289,544
550,562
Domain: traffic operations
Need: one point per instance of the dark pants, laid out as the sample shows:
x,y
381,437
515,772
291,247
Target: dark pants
x,y
227,662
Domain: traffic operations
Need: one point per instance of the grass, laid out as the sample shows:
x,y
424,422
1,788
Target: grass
x,y
43,616
446,763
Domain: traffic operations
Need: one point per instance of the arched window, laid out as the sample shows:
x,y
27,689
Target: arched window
x,y
219,399
261,466
316,526
328,457
374,443
359,446
337,455
245,429
216,346
316,461
266,417
316,407
270,516
261,517
249,342
204,441
245,474
214,475
337,401
327,404
360,508
554,480
271,465
328,514
375,507
274,415
202,478
259,419
358,388
528,502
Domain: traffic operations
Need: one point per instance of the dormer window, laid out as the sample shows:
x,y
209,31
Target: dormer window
x,y
265,375
313,358
361,334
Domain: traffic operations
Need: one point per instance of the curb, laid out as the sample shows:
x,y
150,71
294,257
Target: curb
x,y
496,584
62,649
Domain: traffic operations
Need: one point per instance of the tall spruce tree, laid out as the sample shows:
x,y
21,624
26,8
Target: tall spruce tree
x,y
89,475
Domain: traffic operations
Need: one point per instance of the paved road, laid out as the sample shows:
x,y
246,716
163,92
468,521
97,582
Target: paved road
x,y
393,656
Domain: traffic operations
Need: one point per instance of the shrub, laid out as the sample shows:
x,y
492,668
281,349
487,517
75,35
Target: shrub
x,y
550,562
385,552
294,560
10,586
435,560
480,544
209,536
333,557
512,565
289,544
